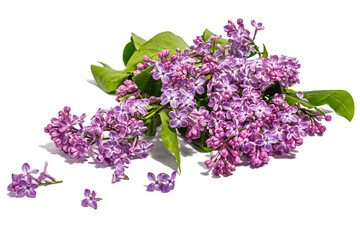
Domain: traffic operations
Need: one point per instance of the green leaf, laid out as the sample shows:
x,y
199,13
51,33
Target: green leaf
x,y
138,41
207,34
251,54
199,143
107,78
169,136
147,84
339,100
151,125
265,52
130,48
151,48
128,52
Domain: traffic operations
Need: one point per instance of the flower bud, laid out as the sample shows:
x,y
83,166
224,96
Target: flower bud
x,y
209,163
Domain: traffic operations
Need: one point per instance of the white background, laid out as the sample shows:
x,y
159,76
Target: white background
x,y
46,51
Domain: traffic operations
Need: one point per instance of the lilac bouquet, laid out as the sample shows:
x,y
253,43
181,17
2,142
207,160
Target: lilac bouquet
x,y
228,96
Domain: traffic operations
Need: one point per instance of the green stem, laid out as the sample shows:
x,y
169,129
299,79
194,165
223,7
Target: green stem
x,y
48,183
156,111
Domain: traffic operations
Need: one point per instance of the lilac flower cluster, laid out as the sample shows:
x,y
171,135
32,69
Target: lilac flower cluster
x,y
163,182
24,184
238,119
182,80
113,135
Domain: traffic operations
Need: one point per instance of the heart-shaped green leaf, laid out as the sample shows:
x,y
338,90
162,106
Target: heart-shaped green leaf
x,y
151,48
339,100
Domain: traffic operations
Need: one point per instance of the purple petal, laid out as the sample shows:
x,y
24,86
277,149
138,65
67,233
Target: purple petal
x,y
200,90
151,187
87,192
35,171
300,94
15,177
174,123
93,204
46,165
156,75
164,177
183,123
273,139
151,177
268,147
172,114
143,154
23,182
260,142
166,188
173,175
21,192
114,177
25,167
93,194
31,193
253,23
85,202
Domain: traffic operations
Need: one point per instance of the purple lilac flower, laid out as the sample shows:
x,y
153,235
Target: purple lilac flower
x,y
27,187
138,129
200,47
119,172
27,172
216,119
143,148
179,118
287,114
278,99
163,182
279,130
232,128
90,200
260,109
258,26
172,97
160,71
137,107
15,184
44,176
267,141
198,84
